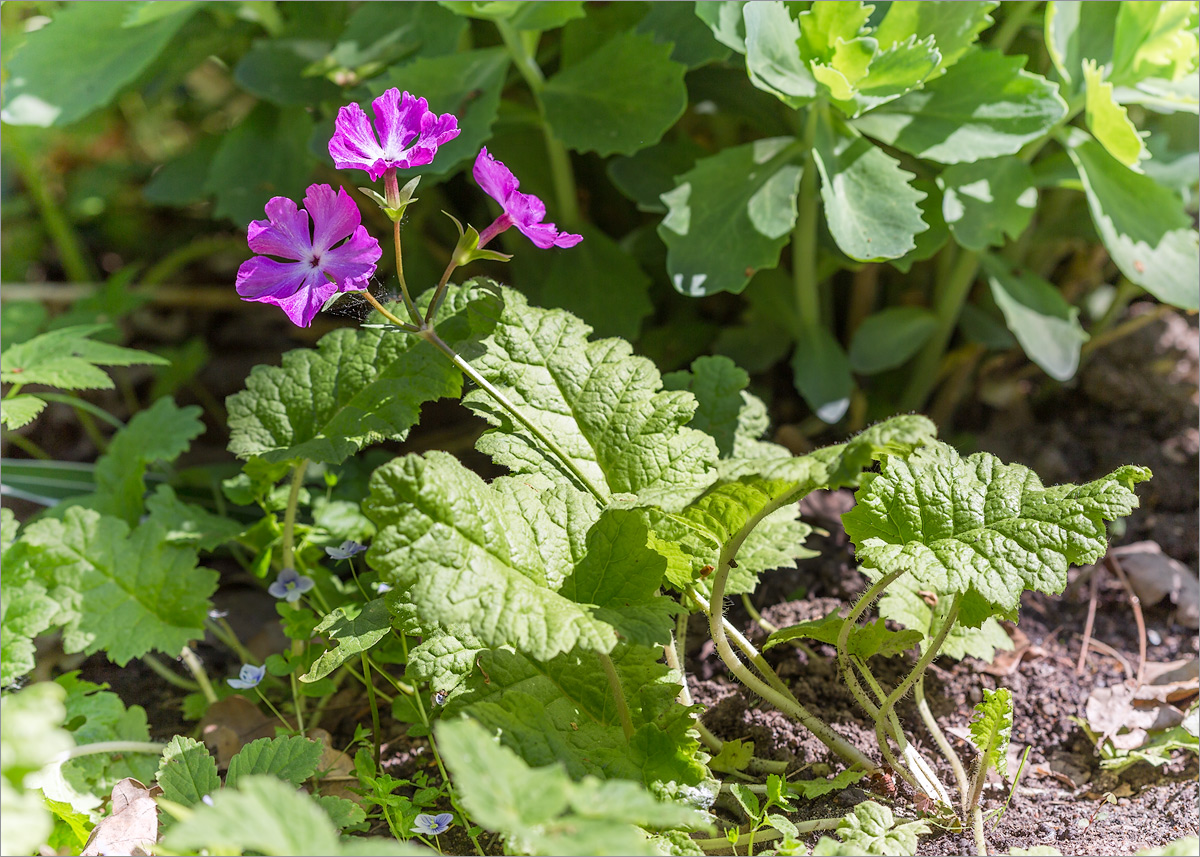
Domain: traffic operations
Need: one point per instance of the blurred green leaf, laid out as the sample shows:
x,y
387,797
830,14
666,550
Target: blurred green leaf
x,y
821,372
273,69
693,42
1109,122
889,337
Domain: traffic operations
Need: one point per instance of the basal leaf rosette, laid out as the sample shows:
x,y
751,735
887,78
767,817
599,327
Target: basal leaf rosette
x,y
982,529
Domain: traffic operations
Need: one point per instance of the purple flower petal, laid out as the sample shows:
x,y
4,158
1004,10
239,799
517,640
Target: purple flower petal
x,y
409,134
335,216
353,145
352,264
285,232
249,676
497,180
523,210
398,121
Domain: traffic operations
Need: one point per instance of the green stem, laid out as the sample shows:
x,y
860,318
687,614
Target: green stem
x,y
502,400
437,757
939,738
948,302
565,191
289,515
845,665
70,249
1126,292
763,836
197,670
375,728
977,828
28,446
167,675
804,235
83,405
614,684
391,186
386,313
179,258
274,710
221,629
1018,13
107,747
439,293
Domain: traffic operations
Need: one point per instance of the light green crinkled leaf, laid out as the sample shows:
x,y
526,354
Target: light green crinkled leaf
x,y
540,810
189,524
1143,224
443,659
26,610
887,339
923,611
986,200
359,386
603,407
187,772
865,641
991,728
1181,847
356,628
773,59
81,60
730,215
621,98
984,106
821,786
870,206
120,592
163,432
871,829
66,358
954,26
734,755
1109,122
894,71
718,385
830,43
31,737
341,811
270,817
562,710
1154,40
464,555
8,530
980,528
292,760
17,411
1043,322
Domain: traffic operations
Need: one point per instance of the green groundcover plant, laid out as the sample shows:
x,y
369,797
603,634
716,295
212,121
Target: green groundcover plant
x,y
530,626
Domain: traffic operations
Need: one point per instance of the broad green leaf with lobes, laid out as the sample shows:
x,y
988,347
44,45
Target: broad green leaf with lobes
x,y
718,385
924,611
25,608
773,59
870,205
604,407
954,26
1109,122
871,829
984,106
620,99
893,72
980,528
187,772
889,337
466,84
189,524
69,359
821,373
359,386
17,411
82,59
1043,322
125,594
730,216
1143,224
986,200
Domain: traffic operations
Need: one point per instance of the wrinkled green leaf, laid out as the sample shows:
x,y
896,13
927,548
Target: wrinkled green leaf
x,y
821,786
189,524
991,727
954,26
17,411
31,737
25,608
924,611
871,829
1156,39
187,772
292,760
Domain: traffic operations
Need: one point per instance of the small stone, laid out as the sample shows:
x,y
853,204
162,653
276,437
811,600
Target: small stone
x,y
1153,637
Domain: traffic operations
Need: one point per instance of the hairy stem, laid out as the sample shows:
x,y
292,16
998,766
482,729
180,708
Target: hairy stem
x,y
375,728
977,828
939,738
517,414
198,672
614,684
391,187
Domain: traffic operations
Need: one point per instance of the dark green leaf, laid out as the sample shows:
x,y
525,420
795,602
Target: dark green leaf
x,y
887,339
387,32
694,44
81,60
356,629
647,175
273,69
621,98
292,760
986,200
181,181
187,772
730,216
821,372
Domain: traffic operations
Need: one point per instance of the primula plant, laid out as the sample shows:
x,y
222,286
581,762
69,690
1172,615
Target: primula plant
x,y
527,619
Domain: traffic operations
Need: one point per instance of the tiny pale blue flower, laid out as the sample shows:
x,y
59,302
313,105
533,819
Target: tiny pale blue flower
x,y
382,587
248,677
348,549
290,585
432,825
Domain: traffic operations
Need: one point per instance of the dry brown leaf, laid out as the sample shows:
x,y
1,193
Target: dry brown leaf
x,y
1007,663
231,724
1173,681
336,769
132,828
1154,575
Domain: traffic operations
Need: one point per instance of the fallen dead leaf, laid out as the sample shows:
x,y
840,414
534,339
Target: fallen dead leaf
x,y
336,769
1173,681
132,828
1154,576
1007,663
231,724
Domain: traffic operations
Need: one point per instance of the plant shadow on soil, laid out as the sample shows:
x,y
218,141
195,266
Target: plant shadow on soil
x,y
1135,402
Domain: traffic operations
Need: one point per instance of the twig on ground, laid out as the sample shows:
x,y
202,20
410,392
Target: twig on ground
x,y
1087,627
1115,566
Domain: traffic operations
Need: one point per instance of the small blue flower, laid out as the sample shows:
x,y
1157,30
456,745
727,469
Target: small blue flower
x,y
290,585
248,677
382,587
348,549
432,825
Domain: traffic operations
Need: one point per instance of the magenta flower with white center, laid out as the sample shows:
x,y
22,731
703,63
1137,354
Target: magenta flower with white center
x,y
316,269
408,135
522,210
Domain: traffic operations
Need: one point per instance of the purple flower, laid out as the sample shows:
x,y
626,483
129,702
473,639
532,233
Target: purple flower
x,y
432,825
317,269
248,677
290,585
409,134
348,549
523,210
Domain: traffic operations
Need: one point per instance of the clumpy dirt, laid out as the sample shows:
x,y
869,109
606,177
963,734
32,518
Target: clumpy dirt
x,y
1135,402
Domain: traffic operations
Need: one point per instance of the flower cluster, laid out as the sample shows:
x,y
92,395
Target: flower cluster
x,y
325,249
